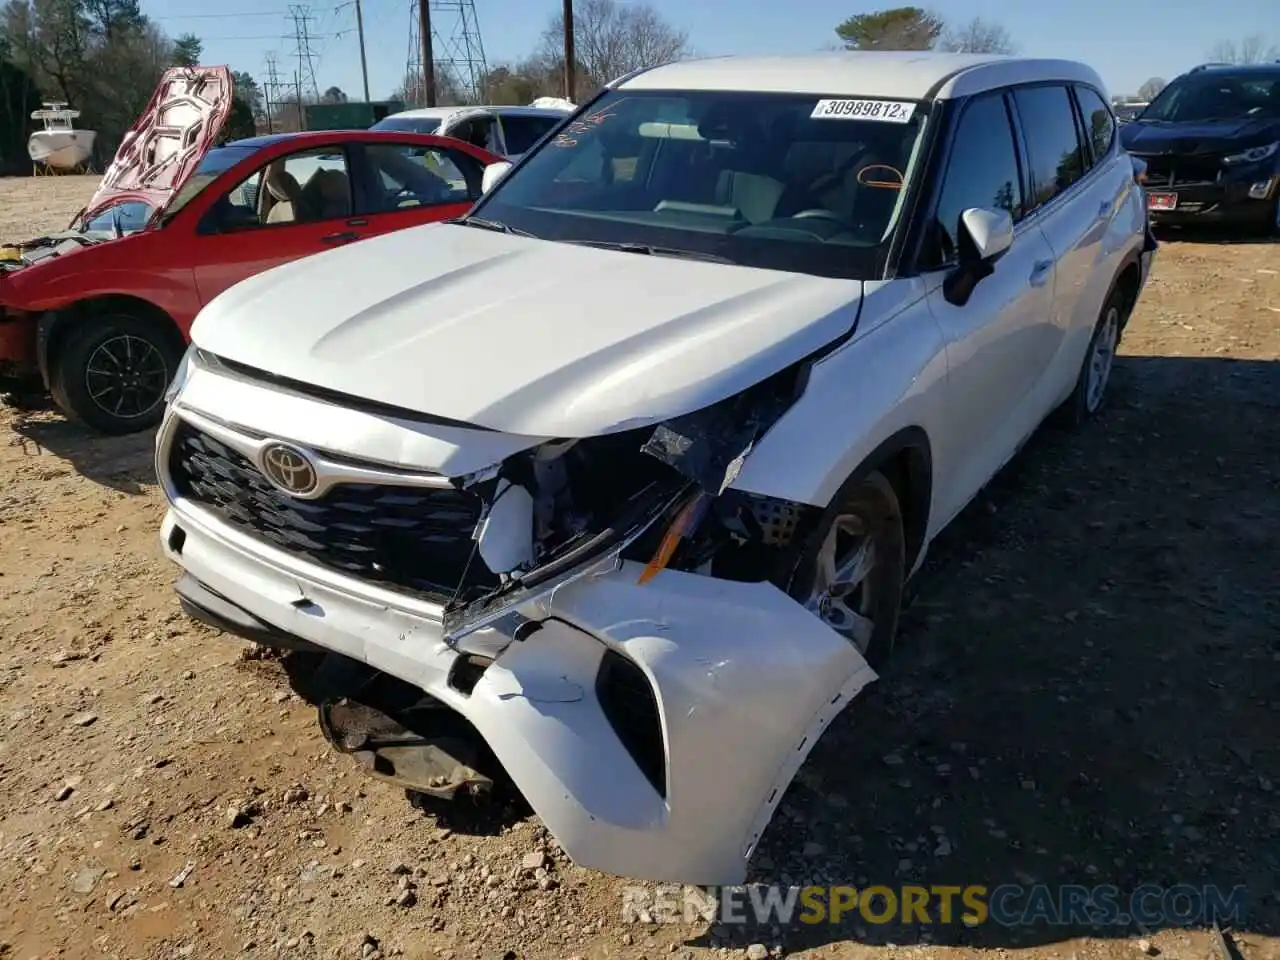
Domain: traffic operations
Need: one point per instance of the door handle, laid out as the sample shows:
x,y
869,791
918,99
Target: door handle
x,y
340,237
1040,272
1105,208
358,222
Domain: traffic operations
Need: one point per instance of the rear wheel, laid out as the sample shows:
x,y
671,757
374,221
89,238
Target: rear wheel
x,y
112,372
1095,373
852,570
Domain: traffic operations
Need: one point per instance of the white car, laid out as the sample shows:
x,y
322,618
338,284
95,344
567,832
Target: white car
x,y
620,476
505,130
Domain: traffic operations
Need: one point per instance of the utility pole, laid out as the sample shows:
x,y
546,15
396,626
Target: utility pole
x,y
428,57
570,57
364,64
297,89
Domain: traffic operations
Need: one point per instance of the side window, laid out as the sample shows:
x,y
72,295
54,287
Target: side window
x,y
1099,123
478,131
521,133
408,175
1053,142
982,172
303,187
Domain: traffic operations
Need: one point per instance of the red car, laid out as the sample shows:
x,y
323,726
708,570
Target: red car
x,y
101,312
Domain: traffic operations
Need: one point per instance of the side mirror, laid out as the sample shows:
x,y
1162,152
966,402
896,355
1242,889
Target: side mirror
x,y
492,174
989,234
985,235
1139,169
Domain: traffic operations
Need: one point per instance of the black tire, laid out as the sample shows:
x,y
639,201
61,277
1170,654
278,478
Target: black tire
x,y
1085,402
872,503
143,352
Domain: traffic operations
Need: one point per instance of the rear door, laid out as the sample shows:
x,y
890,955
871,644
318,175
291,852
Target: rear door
x,y
406,184
293,205
1074,205
996,342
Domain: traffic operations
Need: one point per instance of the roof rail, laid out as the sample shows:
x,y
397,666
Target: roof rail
x,y
1206,66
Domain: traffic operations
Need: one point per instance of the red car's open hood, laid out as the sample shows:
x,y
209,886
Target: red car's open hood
x,y
170,137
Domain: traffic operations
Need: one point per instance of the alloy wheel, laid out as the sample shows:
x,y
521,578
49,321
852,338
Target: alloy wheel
x,y
1101,358
126,376
842,595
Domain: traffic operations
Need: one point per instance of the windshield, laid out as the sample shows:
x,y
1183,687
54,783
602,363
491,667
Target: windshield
x,y
408,124
123,218
1216,95
215,163
791,182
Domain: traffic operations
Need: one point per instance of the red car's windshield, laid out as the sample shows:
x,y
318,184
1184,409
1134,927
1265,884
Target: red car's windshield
x,y
215,163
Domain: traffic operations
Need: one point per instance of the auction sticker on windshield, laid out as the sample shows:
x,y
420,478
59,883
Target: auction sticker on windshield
x,y
885,111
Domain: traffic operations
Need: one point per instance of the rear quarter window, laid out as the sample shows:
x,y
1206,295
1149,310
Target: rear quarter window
x,y
1099,123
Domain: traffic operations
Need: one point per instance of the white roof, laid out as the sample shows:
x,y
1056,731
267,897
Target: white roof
x,y
907,74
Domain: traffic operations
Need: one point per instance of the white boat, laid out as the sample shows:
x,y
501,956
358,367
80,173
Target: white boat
x,y
60,145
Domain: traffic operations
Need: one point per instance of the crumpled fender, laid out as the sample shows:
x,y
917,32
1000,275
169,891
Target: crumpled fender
x,y
745,680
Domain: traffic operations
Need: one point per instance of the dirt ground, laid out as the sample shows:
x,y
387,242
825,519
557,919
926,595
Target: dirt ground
x,y
1086,691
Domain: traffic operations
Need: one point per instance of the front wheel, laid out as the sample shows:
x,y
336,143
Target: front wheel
x,y
851,572
112,372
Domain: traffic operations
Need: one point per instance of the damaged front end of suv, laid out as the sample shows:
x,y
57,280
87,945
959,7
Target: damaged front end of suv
x,y
607,618
659,496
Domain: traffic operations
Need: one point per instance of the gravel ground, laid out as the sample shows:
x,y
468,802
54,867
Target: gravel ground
x,y
1085,692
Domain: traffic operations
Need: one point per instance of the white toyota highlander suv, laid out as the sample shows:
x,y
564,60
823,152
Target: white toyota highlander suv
x,y
621,475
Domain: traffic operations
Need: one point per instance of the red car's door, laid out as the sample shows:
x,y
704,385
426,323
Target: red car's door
x,y
294,205
407,184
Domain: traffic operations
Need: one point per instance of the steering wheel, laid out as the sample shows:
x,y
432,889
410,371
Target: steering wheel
x,y
818,213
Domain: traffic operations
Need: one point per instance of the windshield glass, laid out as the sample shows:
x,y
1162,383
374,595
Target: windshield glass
x,y
781,181
408,124
123,218
215,163
1215,95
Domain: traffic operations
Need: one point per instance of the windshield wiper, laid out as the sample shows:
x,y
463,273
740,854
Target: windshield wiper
x,y
495,225
653,251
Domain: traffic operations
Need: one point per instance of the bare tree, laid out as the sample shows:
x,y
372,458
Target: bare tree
x,y
978,36
1252,49
1151,89
613,38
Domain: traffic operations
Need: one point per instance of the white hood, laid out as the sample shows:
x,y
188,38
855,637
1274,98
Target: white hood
x,y
524,336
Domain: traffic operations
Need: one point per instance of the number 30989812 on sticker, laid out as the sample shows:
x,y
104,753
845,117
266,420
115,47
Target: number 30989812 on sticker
x,y
884,111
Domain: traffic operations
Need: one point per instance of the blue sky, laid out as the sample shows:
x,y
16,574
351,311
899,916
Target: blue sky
x,y
1127,42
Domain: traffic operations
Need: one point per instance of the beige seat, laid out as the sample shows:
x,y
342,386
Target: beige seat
x,y
755,194
284,191
327,195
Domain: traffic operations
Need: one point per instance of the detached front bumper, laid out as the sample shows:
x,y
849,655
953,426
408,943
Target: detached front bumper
x,y
742,681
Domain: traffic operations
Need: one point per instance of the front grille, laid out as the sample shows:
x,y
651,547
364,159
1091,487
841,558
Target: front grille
x,y
409,539
1168,172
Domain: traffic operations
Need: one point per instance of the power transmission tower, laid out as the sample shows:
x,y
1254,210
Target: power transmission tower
x,y
271,91
305,75
447,33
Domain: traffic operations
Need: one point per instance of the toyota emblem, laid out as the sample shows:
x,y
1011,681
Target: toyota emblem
x,y
289,469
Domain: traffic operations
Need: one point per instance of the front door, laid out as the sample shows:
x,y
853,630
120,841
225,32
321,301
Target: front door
x,y
996,340
294,205
407,184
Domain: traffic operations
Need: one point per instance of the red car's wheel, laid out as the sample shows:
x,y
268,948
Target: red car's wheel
x,y
112,372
